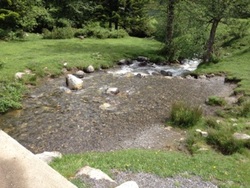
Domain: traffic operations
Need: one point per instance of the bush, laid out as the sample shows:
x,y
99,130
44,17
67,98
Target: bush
x,y
244,110
96,31
59,33
223,141
121,33
10,96
3,34
183,116
239,29
216,101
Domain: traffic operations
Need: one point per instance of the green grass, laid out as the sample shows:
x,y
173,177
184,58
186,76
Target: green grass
x,y
37,53
209,165
235,63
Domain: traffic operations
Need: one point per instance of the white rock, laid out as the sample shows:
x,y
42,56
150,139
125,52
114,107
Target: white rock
x,y
65,90
93,173
241,136
105,106
19,75
112,90
90,69
233,119
49,156
203,133
73,82
128,184
202,77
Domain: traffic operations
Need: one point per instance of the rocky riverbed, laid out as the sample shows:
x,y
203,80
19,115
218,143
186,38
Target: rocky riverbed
x,y
92,119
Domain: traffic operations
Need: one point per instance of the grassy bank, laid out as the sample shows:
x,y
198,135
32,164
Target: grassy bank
x,y
227,171
36,53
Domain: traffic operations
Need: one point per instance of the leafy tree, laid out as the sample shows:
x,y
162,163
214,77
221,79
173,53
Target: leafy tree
x,y
213,12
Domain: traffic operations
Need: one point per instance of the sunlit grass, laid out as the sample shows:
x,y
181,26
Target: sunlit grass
x,y
209,165
39,53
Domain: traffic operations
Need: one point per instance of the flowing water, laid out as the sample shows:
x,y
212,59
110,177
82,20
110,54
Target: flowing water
x,y
52,119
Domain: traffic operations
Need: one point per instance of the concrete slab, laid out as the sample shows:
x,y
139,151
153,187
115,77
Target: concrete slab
x,y
19,168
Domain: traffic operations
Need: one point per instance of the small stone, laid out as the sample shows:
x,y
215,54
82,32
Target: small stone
x,y
235,124
189,77
105,106
166,73
128,184
112,90
241,136
218,121
19,75
202,77
65,90
90,69
80,74
49,156
142,58
203,133
233,119
122,62
93,173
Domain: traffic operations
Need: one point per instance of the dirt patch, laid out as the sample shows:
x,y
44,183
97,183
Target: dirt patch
x,y
71,123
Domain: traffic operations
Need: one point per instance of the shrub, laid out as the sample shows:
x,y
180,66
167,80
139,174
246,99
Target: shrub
x,y
245,109
211,123
59,33
216,101
239,29
10,96
121,33
96,31
224,141
182,115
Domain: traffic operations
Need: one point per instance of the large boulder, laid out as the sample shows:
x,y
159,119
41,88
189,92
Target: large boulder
x,y
73,82
19,168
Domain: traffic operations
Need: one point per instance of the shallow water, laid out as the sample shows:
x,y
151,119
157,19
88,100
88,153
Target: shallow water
x,y
71,123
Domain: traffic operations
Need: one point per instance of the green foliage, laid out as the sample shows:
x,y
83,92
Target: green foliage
x,y
10,96
59,33
239,28
184,116
244,110
224,141
216,101
94,30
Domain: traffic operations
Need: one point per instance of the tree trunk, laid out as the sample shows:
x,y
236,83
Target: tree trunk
x,y
169,50
210,42
170,22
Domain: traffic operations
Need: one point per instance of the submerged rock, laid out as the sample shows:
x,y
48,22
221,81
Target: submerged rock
x,y
166,73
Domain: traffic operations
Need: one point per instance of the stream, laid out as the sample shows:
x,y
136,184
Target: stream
x,y
92,120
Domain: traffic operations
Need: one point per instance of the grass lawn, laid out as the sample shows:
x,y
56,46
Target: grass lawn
x,y
227,171
36,53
